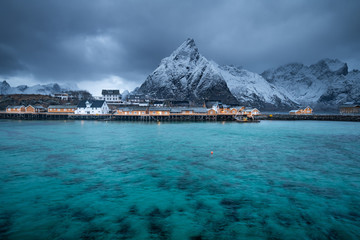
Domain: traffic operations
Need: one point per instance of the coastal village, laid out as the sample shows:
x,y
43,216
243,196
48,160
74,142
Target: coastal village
x,y
112,105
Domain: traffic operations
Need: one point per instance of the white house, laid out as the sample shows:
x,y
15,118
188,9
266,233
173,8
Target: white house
x,y
111,95
92,107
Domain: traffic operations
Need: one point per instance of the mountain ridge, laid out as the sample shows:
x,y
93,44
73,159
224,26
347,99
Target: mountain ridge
x,y
187,75
45,89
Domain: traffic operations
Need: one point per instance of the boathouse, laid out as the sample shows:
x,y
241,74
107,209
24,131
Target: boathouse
x,y
159,111
306,111
251,111
15,109
62,108
296,112
132,111
35,109
92,107
211,112
350,109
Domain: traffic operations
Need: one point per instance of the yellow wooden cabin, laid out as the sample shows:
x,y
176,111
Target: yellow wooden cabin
x,y
296,112
307,110
251,111
211,112
15,109
350,109
132,111
61,109
34,109
159,111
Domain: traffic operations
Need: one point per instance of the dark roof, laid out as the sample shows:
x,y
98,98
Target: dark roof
x,y
194,109
159,109
110,92
15,106
94,103
200,110
135,108
37,107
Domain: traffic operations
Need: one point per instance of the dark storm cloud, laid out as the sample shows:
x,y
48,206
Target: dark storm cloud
x,y
72,41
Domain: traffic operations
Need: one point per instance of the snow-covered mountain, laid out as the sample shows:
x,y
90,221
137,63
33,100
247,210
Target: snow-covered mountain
x,y
187,75
47,89
325,84
253,90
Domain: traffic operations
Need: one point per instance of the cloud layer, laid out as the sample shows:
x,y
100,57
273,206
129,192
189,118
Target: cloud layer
x,y
93,41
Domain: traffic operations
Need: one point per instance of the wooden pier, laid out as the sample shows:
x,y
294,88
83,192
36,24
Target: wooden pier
x,y
171,117
114,117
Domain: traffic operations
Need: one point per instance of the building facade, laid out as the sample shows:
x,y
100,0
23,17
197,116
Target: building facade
x,y
15,109
111,95
35,109
93,107
62,109
350,109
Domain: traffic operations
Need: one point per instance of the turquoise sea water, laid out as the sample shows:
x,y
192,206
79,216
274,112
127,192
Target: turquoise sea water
x,y
121,180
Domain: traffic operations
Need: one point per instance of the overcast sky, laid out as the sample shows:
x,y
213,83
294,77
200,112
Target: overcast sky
x,y
117,43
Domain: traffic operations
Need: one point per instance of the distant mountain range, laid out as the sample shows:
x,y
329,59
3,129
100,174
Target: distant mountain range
x,y
187,75
6,89
325,84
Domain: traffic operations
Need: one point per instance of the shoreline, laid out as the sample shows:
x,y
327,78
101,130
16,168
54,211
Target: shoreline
x,y
175,118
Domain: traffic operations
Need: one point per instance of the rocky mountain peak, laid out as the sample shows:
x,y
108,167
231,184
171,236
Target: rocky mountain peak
x,y
187,51
331,65
4,86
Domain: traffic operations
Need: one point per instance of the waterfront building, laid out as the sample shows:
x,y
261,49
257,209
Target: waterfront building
x,y
350,109
211,112
62,109
296,112
158,103
132,111
159,111
35,109
15,109
111,95
92,107
251,111
62,96
136,98
306,111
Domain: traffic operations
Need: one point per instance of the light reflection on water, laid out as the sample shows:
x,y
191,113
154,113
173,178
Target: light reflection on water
x,y
117,180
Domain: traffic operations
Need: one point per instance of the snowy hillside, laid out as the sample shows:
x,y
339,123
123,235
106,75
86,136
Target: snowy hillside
x,y
187,75
252,89
325,84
